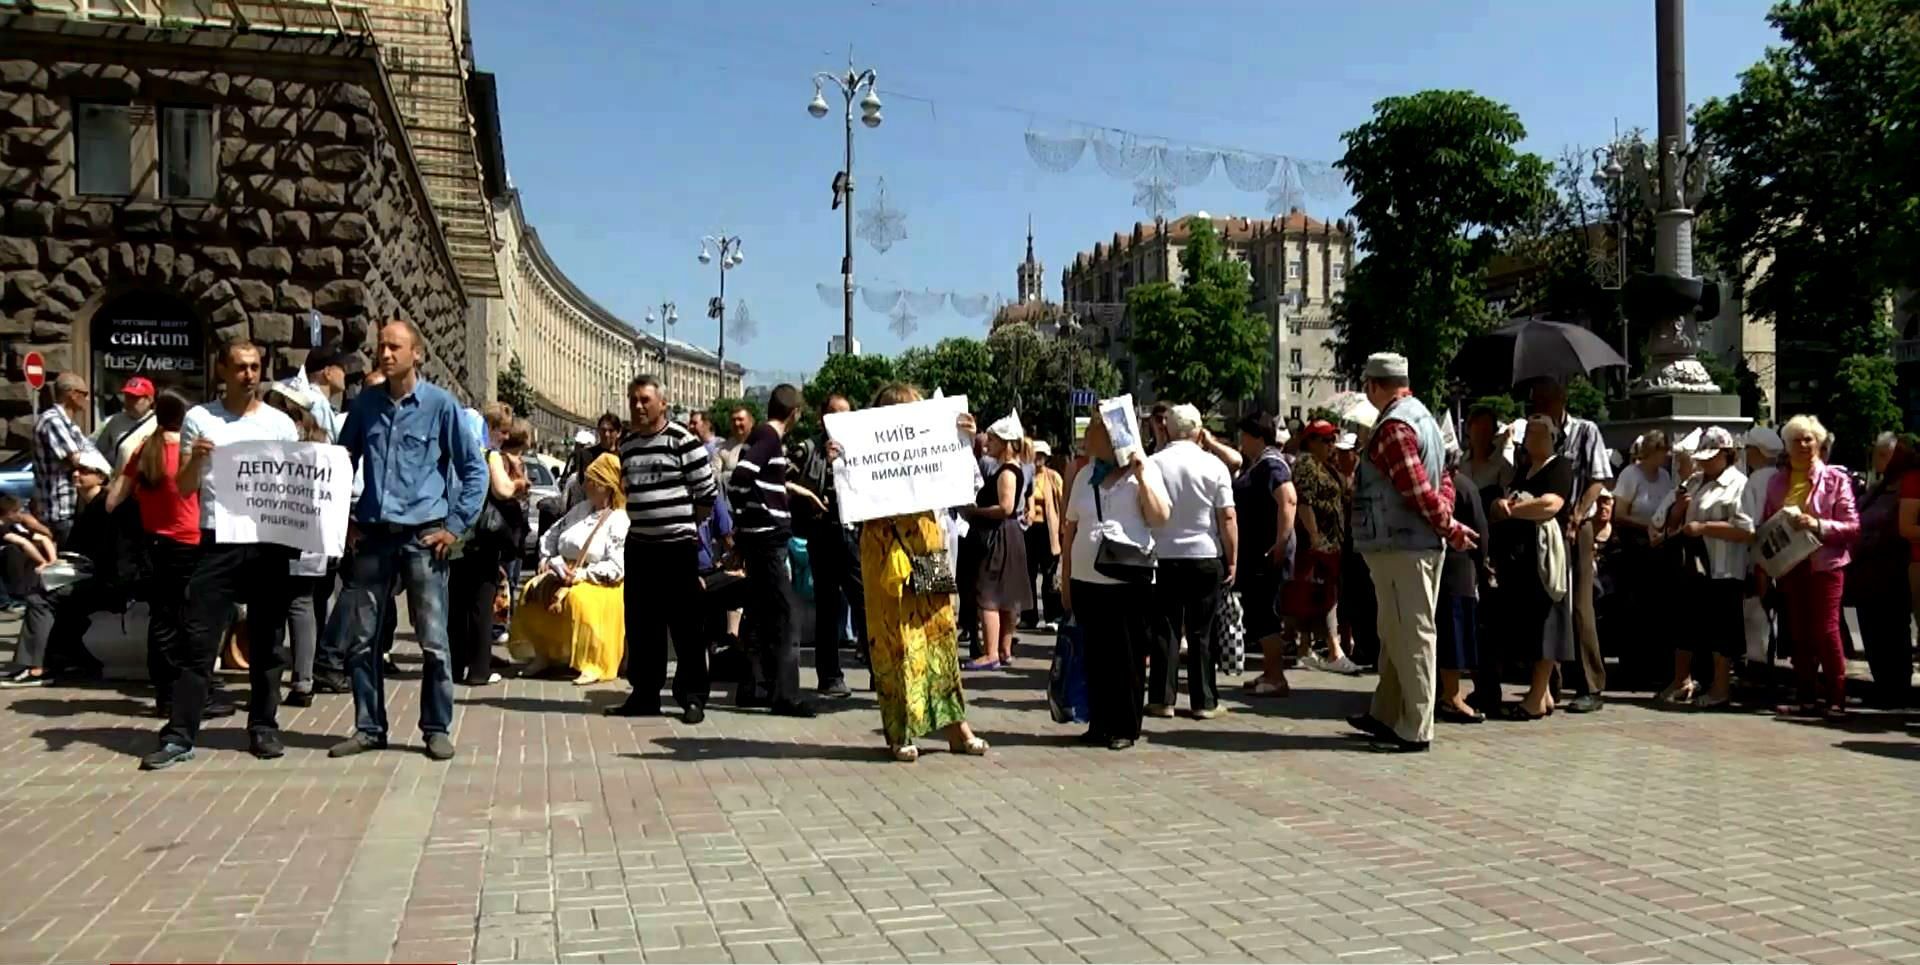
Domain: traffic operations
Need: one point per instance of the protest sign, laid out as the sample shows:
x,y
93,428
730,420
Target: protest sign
x,y
902,459
294,494
1123,428
1781,546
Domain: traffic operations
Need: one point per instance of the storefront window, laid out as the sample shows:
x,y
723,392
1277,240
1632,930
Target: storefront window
x,y
150,334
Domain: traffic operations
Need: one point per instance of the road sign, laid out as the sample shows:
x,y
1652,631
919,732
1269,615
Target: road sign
x,y
1084,397
35,369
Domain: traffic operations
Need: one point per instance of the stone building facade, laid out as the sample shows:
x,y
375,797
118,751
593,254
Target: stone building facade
x,y
169,189
1297,264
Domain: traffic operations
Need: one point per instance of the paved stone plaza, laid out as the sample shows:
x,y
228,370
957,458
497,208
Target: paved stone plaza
x,y
1269,834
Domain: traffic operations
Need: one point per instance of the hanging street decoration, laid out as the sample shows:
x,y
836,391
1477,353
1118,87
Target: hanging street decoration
x,y
744,327
882,224
1158,167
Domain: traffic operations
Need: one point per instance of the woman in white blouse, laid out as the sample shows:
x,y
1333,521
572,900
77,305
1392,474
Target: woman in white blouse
x,y
1113,613
573,613
1714,522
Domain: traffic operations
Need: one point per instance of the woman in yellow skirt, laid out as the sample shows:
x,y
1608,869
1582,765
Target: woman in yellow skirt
x,y
572,613
916,663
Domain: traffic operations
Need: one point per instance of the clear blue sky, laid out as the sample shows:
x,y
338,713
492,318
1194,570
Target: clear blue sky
x,y
633,127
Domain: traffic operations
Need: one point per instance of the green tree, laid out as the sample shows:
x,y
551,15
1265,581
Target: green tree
x,y
1585,400
1046,403
1199,339
511,386
955,366
1504,408
1724,377
1817,196
858,377
1436,181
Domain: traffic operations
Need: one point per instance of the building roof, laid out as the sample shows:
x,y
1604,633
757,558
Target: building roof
x,y
1233,229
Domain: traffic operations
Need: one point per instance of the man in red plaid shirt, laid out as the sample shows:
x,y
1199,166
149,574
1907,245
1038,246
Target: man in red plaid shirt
x,y
1402,524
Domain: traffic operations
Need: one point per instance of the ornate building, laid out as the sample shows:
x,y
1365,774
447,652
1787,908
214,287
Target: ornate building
x,y
1297,264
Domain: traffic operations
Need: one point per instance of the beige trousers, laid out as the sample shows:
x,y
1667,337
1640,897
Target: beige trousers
x,y
1406,585
1592,663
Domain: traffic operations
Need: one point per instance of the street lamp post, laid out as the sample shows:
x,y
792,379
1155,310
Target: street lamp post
x,y
850,86
668,315
731,255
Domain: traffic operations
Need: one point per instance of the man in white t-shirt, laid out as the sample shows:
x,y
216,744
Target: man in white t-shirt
x,y
1196,547
255,574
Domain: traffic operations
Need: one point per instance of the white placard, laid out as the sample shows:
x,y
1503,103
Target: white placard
x,y
1123,428
294,494
1782,547
900,459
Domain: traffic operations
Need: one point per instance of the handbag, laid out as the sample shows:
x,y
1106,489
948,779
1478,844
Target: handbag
x,y
1231,657
1120,561
928,574
1067,698
545,588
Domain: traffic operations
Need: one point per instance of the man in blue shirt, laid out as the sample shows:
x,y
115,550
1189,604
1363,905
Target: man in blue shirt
x,y
425,476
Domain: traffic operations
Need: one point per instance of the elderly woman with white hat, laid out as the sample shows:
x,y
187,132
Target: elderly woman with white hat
x,y
1710,512
1004,587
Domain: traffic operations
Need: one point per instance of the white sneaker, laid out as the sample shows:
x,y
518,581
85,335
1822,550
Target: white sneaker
x,y
1344,665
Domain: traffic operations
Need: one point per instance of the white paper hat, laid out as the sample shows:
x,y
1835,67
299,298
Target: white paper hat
x,y
1008,428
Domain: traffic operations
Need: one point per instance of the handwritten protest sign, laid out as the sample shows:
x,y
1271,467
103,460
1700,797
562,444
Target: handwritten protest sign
x,y
1123,428
902,459
1781,546
294,494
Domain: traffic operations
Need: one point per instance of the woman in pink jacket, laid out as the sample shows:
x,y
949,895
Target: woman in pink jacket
x,y
1824,496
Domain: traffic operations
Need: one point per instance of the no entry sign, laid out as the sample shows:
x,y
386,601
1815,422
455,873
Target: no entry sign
x,y
35,369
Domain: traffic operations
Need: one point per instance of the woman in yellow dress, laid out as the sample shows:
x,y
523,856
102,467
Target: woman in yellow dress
x,y
572,613
912,636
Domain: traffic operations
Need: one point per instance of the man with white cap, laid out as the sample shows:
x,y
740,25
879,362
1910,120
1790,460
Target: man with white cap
x,y
1402,524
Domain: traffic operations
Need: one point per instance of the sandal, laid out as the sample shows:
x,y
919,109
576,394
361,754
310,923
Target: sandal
x,y
1796,710
981,664
1454,715
905,753
1519,712
972,747
586,680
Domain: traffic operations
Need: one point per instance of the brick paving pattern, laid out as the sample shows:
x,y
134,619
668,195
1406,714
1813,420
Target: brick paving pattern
x,y
562,835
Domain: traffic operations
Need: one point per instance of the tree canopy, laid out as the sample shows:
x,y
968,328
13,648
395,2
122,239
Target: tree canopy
x,y
1199,340
511,386
1437,181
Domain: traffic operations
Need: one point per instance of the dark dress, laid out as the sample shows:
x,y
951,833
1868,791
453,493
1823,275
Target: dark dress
x,y
1259,579
1537,628
1461,574
1004,583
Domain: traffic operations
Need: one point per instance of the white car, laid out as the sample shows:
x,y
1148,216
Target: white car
x,y
545,487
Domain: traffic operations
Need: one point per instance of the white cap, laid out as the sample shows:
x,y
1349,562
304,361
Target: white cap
x,y
1712,441
1347,440
1766,439
91,458
1008,428
1040,447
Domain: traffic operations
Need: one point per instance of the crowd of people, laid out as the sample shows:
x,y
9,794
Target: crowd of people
x,y
1441,558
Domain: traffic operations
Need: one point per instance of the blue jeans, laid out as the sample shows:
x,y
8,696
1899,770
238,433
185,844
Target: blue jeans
x,y
381,557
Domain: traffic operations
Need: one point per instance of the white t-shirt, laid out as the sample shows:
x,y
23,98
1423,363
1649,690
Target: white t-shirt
x,y
1119,508
264,424
1636,497
1198,487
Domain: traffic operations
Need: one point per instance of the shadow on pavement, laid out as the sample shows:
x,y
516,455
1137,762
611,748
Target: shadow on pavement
x,y
737,748
1908,750
136,741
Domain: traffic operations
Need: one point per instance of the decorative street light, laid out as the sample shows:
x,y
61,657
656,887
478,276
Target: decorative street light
x,y
668,315
731,255
850,85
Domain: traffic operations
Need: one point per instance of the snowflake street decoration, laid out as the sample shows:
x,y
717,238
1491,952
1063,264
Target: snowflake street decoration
x,y
1055,152
879,299
830,295
972,306
882,224
903,321
744,327
1155,195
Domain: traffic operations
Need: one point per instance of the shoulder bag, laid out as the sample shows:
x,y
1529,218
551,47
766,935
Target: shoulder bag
x,y
928,574
1118,560
547,589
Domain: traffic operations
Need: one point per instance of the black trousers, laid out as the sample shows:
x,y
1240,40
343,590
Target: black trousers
x,y
967,572
256,575
1114,619
1886,630
1187,596
473,581
662,599
837,591
173,566
1045,567
770,619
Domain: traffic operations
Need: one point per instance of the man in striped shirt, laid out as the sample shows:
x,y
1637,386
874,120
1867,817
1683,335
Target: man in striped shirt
x,y
670,490
757,491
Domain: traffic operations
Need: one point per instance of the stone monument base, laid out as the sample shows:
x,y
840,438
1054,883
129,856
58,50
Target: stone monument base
x,y
1674,413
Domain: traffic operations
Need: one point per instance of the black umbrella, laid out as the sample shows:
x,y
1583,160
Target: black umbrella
x,y
1534,348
